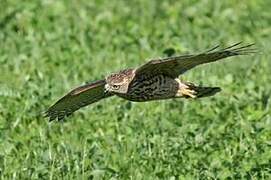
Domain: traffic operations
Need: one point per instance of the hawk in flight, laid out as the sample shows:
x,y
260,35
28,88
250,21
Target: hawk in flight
x,y
154,80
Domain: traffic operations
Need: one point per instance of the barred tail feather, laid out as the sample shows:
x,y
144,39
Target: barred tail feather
x,y
200,91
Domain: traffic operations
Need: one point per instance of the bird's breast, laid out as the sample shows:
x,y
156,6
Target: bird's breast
x,y
151,88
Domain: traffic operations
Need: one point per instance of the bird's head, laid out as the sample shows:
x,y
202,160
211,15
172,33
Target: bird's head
x,y
119,82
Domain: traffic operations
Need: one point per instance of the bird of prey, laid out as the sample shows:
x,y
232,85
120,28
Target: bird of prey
x,y
157,79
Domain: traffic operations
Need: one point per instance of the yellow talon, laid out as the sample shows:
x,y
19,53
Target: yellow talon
x,y
188,92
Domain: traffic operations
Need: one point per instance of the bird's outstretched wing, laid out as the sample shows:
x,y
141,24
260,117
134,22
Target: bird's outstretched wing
x,y
174,66
77,98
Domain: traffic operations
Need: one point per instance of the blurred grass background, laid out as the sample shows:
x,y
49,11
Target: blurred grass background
x,y
48,47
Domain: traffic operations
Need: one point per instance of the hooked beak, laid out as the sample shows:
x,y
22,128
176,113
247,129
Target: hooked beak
x,y
106,88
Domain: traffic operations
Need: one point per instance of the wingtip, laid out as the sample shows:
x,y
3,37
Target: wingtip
x,y
58,116
50,115
212,49
235,49
45,114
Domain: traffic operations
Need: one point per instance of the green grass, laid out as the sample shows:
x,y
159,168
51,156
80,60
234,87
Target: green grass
x,y
49,47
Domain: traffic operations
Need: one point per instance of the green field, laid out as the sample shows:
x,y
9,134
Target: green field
x,y
48,47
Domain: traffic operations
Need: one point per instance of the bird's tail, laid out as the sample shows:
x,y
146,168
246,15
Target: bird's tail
x,y
200,91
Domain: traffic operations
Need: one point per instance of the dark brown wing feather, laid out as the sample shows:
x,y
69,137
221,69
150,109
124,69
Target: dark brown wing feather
x,y
174,66
76,99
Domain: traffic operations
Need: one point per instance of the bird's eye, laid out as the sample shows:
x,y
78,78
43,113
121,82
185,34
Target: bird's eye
x,y
116,87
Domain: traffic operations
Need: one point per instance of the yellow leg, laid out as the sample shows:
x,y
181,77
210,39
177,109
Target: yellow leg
x,y
186,91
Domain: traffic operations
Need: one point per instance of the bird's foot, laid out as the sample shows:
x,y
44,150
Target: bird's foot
x,y
186,91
